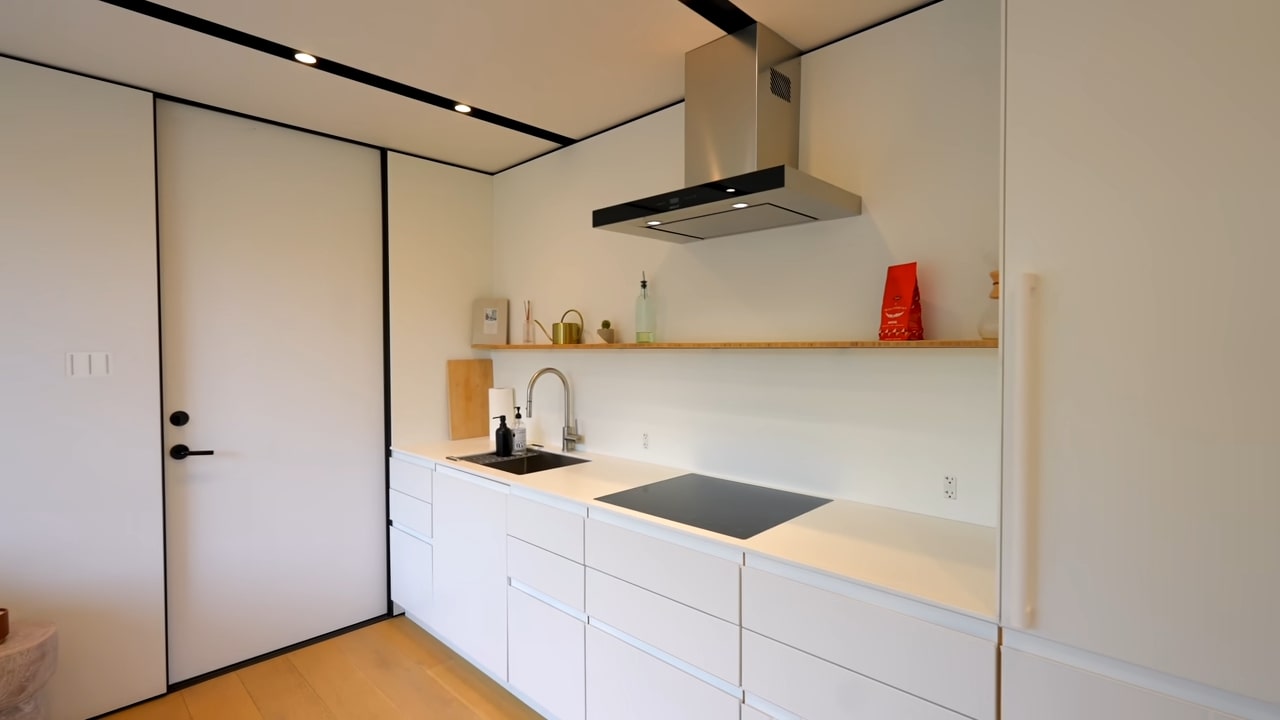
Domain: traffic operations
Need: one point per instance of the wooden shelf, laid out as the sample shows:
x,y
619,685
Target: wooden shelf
x,y
794,345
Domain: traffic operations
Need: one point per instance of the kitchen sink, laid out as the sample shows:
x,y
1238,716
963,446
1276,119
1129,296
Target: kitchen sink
x,y
530,462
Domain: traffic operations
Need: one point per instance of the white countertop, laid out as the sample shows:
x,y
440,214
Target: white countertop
x,y
941,562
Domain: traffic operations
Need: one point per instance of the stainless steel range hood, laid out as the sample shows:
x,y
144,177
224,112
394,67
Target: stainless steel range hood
x,y
741,149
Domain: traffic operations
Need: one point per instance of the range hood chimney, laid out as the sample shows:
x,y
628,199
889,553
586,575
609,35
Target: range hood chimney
x,y
741,149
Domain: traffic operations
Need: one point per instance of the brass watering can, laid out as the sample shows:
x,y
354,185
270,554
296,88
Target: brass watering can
x,y
565,333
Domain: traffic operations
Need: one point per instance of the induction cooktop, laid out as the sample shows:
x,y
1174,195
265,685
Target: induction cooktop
x,y
721,506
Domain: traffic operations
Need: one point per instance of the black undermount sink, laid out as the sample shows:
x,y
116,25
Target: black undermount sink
x,y
530,462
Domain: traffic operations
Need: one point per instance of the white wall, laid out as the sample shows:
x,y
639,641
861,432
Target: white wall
x,y
81,541
906,115
1142,157
440,224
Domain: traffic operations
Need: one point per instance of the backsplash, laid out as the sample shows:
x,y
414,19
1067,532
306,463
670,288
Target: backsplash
x,y
876,426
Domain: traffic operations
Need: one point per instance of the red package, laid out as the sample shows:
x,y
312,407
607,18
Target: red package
x,y
900,313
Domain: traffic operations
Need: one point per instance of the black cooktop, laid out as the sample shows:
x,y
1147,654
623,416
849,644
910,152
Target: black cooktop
x,y
723,506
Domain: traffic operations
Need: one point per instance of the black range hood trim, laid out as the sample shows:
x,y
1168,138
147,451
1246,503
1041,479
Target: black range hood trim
x,y
743,185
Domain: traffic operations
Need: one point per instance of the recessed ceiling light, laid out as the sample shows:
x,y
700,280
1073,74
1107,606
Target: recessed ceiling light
x,y
462,108
305,58
730,190
740,205
654,222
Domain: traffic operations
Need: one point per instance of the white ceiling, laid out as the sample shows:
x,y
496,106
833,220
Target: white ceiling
x,y
574,67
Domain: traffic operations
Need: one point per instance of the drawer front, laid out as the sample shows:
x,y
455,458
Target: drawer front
x,y
624,683
411,574
702,640
546,656
945,666
550,528
411,479
689,576
750,713
556,577
818,690
411,513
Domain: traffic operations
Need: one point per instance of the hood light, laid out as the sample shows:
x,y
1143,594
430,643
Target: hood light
x,y
305,58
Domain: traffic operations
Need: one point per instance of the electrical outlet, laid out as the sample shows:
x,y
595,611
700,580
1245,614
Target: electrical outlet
x,y
644,441
949,487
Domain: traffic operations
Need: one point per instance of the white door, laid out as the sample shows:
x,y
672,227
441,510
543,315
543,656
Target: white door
x,y
271,319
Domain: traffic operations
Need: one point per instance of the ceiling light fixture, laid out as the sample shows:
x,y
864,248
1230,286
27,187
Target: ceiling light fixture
x,y
654,222
730,190
305,58
462,108
739,206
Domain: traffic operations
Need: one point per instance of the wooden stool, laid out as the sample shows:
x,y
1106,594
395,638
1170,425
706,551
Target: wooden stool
x,y
27,660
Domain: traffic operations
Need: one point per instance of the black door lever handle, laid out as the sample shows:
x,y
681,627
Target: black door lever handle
x,y
178,452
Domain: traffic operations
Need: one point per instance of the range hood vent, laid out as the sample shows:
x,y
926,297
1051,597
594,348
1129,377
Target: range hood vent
x,y
742,146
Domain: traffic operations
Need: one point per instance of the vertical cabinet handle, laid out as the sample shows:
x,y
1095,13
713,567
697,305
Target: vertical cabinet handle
x,y
1020,521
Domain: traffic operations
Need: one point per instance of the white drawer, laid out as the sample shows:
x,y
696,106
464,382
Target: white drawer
x,y
556,577
624,683
750,713
411,574
410,513
949,667
818,690
411,479
550,528
693,577
702,640
546,656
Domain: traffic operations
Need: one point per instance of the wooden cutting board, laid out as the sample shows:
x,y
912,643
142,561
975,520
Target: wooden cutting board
x,y
469,383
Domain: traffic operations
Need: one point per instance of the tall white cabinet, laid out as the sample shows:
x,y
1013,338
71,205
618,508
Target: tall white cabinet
x,y
469,567
1140,186
81,520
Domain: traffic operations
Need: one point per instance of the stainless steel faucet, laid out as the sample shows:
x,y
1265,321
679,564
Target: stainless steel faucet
x,y
569,437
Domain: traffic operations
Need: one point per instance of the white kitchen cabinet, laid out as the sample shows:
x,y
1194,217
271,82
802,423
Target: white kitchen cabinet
x,y
551,524
546,573
546,655
954,669
624,683
704,641
411,574
1034,688
750,713
412,479
409,513
469,592
698,573
818,690
1140,490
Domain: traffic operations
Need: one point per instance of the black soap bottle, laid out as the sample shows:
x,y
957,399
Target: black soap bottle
x,y
503,438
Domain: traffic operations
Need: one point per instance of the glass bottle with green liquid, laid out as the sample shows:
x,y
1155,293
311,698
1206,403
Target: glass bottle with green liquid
x,y
644,313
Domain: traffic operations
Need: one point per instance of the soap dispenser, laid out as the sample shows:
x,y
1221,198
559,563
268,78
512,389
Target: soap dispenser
x,y
502,438
519,446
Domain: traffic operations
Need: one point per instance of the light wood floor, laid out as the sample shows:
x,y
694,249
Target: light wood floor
x,y
387,671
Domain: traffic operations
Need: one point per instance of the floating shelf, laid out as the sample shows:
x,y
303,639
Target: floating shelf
x,y
792,345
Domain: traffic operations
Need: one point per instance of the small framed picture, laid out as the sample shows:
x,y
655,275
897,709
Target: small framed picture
x,y
489,321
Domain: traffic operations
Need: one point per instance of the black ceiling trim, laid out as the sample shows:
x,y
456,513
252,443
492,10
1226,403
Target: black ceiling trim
x,y
722,13
236,113
584,138
286,52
